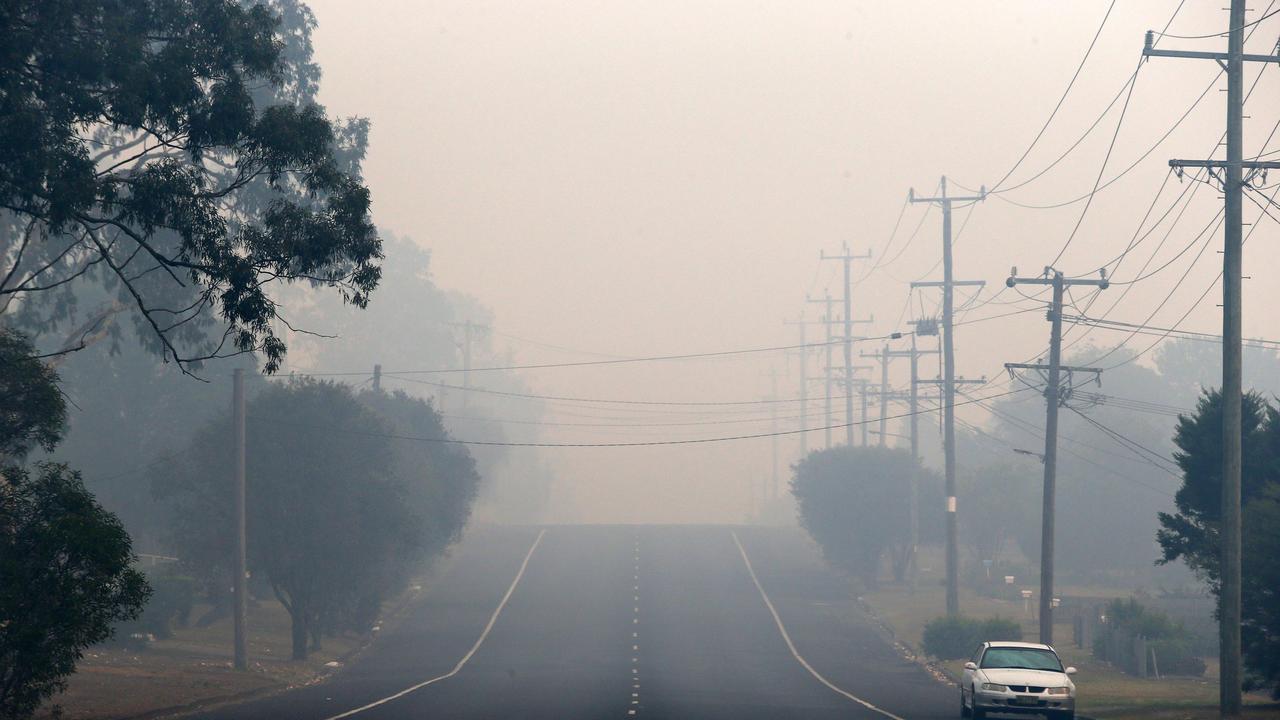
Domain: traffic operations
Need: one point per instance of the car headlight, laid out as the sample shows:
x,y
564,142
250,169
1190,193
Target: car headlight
x,y
995,687
1058,690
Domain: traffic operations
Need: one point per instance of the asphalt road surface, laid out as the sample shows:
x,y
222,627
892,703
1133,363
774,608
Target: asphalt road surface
x,y
626,622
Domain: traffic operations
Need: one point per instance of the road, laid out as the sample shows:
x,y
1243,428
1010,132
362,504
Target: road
x,y
620,622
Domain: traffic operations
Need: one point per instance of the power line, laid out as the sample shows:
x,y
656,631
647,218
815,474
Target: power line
x,y
1128,84
1193,187
1124,110
1133,404
1070,84
1036,431
652,358
1122,173
1186,314
1082,458
1126,87
614,361
1150,150
1214,223
1166,299
639,443
1155,459
1152,329
892,235
1225,33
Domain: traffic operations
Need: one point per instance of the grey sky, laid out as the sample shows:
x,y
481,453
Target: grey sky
x,y
641,178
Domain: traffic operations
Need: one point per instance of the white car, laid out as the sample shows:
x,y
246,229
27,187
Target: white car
x,y
1016,677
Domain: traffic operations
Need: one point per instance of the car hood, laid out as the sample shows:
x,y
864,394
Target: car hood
x,y
1018,676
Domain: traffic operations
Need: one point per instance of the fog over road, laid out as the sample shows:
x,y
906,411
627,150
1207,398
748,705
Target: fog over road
x,y
626,621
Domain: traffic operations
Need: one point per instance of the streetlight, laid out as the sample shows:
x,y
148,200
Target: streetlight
x,y
1032,453
890,434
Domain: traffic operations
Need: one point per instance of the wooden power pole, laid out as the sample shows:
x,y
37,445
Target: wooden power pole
x,y
1232,179
948,284
1054,397
828,321
913,399
846,258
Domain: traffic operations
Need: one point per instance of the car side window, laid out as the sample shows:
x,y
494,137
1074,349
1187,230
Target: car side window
x,y
977,655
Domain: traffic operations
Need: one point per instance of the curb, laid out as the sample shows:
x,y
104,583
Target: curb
x,y
938,672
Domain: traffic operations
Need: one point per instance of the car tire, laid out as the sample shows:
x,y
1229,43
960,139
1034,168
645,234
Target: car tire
x,y
976,712
964,709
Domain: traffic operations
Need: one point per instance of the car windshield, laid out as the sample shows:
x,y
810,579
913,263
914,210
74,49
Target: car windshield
x,y
1022,658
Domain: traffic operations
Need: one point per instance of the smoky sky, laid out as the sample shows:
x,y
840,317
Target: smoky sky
x,y
642,178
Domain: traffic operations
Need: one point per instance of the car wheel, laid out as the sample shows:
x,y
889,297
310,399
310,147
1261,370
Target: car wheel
x,y
964,709
975,712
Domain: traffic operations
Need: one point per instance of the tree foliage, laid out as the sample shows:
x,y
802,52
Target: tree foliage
x,y
1192,533
339,512
440,479
1171,642
32,410
65,578
1001,502
854,502
138,146
954,636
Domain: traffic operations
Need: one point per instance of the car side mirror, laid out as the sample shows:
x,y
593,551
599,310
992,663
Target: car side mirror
x,y
1071,671
971,665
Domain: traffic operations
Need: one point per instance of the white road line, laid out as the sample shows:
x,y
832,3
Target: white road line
x,y
791,646
465,658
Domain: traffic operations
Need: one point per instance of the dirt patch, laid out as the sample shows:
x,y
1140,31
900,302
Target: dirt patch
x,y
194,669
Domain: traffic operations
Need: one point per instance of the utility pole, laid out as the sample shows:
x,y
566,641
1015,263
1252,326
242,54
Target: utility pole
x,y
884,390
856,384
1053,398
883,357
1232,178
922,328
828,321
239,570
862,417
469,330
466,364
377,378
804,386
948,389
773,412
846,258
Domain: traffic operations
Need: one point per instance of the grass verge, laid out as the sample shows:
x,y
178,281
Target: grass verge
x,y
1105,692
193,669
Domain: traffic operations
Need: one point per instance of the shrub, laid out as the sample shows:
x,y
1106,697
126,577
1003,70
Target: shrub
x,y
170,604
1172,643
951,637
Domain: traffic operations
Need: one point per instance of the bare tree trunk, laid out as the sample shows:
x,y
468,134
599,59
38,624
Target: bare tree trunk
x,y
299,633
316,631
